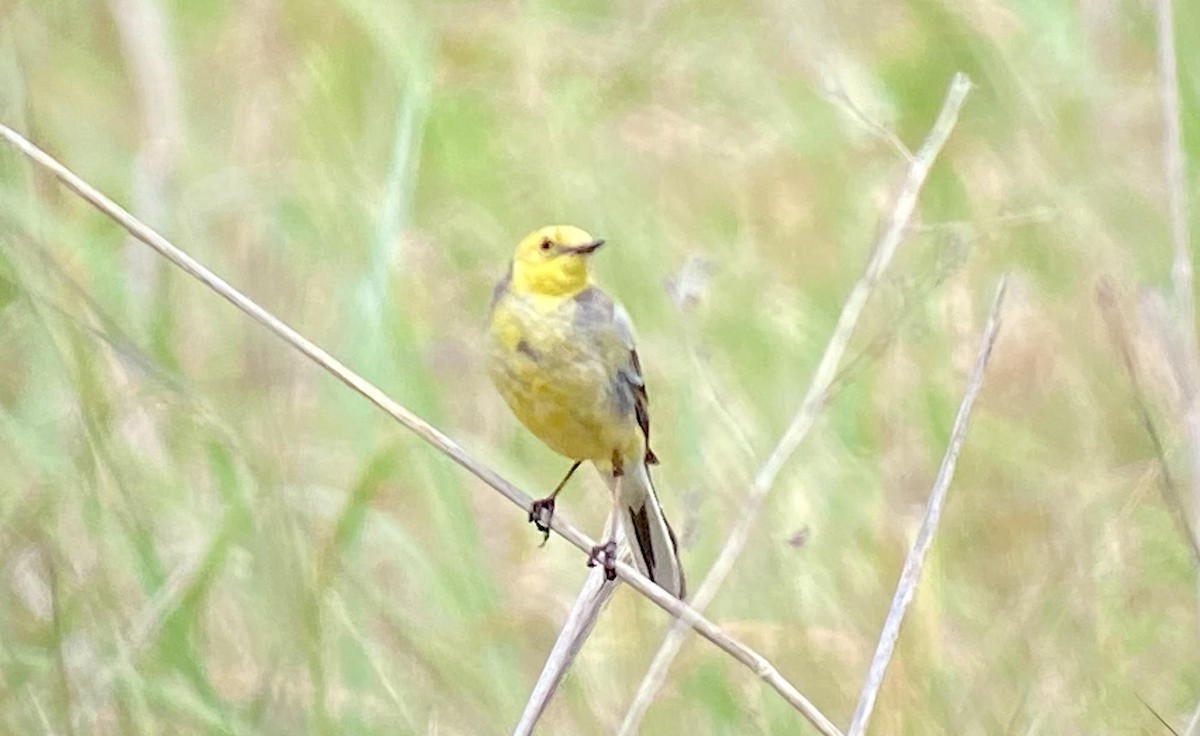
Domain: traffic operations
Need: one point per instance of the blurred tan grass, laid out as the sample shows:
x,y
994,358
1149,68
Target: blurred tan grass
x,y
1059,591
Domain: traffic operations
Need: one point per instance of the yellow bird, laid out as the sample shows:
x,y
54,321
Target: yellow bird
x,y
562,355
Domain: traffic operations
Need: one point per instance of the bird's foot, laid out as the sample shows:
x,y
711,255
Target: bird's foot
x,y
605,555
540,513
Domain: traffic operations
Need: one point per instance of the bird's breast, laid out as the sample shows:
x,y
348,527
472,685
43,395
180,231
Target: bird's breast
x,y
555,380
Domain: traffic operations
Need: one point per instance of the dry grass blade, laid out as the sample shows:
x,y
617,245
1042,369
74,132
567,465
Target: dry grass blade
x,y
911,574
1170,491
1193,726
1188,367
748,657
1157,716
145,40
836,92
64,673
1173,158
885,248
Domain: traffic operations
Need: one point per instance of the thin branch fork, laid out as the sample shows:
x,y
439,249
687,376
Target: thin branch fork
x,y
690,617
915,562
893,233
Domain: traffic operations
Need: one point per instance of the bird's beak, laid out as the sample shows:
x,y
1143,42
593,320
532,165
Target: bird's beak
x,y
586,248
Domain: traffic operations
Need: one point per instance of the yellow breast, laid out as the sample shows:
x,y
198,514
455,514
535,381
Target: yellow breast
x,y
558,383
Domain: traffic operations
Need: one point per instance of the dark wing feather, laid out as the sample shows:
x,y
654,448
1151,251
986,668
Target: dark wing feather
x,y
641,405
637,381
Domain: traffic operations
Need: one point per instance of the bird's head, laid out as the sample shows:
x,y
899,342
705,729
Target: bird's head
x,y
553,261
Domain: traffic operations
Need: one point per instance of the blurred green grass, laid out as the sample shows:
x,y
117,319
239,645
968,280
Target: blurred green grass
x,y
200,533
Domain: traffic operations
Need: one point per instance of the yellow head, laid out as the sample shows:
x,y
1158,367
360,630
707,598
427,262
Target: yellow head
x,y
553,261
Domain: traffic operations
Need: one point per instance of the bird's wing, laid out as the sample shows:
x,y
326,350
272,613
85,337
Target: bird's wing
x,y
600,312
499,290
641,401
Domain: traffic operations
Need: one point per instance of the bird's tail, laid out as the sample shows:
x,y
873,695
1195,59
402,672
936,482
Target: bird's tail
x,y
650,538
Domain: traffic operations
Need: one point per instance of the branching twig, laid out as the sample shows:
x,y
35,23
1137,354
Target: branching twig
x,y
835,91
885,247
911,574
748,657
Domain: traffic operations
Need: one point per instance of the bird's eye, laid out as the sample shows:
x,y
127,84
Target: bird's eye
x,y
546,243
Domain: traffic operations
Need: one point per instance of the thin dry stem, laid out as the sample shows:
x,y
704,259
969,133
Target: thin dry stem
x,y
1188,370
1157,716
145,41
884,249
1173,160
748,657
835,91
584,613
911,574
1111,313
1033,216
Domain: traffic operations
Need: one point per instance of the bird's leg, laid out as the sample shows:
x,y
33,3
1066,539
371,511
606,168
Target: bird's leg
x,y
542,510
606,553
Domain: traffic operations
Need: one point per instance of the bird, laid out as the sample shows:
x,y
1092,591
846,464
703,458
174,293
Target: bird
x,y
561,354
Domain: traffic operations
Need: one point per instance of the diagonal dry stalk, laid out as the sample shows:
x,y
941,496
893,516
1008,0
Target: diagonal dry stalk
x,y
1119,333
913,564
575,630
743,654
884,249
1173,160
1187,368
145,42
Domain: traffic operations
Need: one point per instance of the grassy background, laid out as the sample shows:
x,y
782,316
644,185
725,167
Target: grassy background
x,y
202,533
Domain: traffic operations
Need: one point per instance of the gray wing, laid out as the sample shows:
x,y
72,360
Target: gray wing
x,y
597,308
499,290
641,401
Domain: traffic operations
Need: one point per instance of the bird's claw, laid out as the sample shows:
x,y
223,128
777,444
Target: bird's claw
x,y
606,555
540,513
